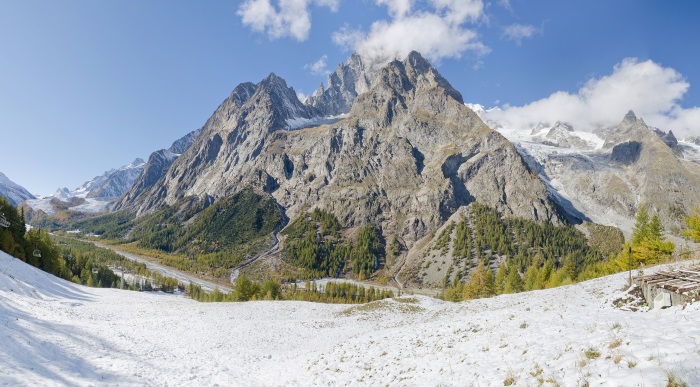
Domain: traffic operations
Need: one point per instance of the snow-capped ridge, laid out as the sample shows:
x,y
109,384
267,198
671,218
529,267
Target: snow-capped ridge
x,y
14,192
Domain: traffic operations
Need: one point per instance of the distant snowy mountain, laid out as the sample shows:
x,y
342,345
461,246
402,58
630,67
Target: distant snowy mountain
x,y
14,192
117,182
156,167
97,193
604,176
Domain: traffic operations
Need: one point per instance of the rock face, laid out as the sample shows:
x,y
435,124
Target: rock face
x,y
344,85
636,166
14,193
117,182
560,135
406,156
626,153
156,167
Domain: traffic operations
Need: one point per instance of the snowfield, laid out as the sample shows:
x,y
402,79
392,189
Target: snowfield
x,y
55,332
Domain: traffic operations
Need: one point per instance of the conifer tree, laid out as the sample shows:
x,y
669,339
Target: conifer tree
x,y
655,229
501,275
514,283
481,283
531,275
640,230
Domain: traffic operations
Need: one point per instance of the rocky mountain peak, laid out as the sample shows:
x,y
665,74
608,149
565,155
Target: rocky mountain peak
x,y
631,128
138,161
401,83
242,93
565,126
630,118
12,191
344,85
670,139
284,105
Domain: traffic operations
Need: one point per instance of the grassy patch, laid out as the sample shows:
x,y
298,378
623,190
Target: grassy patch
x,y
591,353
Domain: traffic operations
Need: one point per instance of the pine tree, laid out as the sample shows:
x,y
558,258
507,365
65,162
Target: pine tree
x,y
655,229
501,275
514,283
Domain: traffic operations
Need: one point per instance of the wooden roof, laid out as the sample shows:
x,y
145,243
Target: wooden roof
x,y
679,281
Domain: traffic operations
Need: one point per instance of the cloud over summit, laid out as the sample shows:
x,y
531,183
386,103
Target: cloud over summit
x,y
439,30
652,91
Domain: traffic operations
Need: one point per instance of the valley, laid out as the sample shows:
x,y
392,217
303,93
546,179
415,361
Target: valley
x,y
180,276
345,193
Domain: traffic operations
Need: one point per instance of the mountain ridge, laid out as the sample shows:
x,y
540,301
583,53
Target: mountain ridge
x,y
375,165
14,192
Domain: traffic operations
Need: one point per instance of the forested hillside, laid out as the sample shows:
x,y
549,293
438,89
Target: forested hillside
x,y
314,244
193,235
528,256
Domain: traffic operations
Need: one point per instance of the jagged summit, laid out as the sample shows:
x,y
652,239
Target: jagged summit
x,y
344,85
401,83
630,117
405,155
242,93
137,161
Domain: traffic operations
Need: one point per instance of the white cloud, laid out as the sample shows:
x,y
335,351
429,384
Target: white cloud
x,y
438,31
302,97
290,18
320,67
653,92
348,37
506,4
397,8
518,32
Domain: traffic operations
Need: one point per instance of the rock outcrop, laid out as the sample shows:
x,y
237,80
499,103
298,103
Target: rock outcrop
x,y
560,135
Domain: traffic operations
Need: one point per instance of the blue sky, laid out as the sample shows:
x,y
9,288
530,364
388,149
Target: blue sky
x,y
86,86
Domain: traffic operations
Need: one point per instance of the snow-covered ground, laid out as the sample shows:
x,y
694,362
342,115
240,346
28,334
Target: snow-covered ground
x,y
55,332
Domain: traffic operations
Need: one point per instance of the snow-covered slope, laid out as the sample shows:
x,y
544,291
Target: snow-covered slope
x,y
111,184
14,192
55,332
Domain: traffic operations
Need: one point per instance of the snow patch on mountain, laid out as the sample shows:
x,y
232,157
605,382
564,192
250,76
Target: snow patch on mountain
x,y
92,205
690,150
301,122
